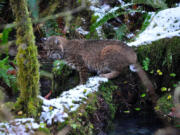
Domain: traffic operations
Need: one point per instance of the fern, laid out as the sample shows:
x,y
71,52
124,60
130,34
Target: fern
x,y
120,32
146,21
10,80
51,28
110,15
106,18
3,72
5,35
145,24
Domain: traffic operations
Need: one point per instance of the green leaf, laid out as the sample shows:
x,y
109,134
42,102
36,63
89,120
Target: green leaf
x,y
42,125
5,35
163,89
127,111
146,62
120,32
143,95
119,11
174,85
178,126
152,72
74,126
10,80
137,109
4,76
172,75
84,91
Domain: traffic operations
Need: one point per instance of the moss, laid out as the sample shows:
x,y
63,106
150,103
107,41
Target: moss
x,y
80,120
28,66
87,118
63,77
44,130
164,104
106,90
60,126
164,55
9,105
30,108
1,94
164,59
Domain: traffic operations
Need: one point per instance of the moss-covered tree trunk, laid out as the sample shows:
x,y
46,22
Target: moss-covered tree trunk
x,y
27,62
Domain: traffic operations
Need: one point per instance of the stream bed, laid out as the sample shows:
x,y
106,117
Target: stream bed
x,y
136,125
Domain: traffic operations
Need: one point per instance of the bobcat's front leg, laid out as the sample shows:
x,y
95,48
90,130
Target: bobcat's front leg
x,y
80,66
83,75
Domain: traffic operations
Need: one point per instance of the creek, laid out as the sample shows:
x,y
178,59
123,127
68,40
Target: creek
x,y
136,125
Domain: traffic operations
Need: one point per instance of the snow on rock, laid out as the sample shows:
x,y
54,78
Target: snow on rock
x,y
101,11
165,24
82,31
53,110
24,126
122,2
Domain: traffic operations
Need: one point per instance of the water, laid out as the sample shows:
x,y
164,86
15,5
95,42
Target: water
x,y
136,126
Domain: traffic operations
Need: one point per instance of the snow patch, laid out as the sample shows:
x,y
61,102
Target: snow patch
x,y
53,110
101,11
165,24
82,31
122,2
24,126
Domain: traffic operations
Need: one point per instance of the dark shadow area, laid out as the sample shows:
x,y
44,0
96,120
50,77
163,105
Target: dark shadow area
x,y
144,123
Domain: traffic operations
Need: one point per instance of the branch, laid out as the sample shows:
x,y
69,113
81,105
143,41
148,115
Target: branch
x,y
61,14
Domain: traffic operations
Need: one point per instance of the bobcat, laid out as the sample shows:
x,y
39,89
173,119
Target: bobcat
x,y
105,57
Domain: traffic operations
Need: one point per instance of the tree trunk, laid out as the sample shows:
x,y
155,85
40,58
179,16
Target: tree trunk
x,y
27,62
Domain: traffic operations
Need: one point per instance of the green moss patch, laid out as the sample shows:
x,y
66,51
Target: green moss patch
x,y
97,114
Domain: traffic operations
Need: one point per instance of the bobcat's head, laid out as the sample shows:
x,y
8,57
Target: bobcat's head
x,y
54,47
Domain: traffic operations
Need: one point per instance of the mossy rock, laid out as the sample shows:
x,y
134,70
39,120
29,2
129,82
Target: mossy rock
x,y
44,131
97,114
64,78
164,104
164,56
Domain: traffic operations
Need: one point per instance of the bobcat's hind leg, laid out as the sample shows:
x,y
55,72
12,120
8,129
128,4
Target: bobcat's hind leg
x,y
111,75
